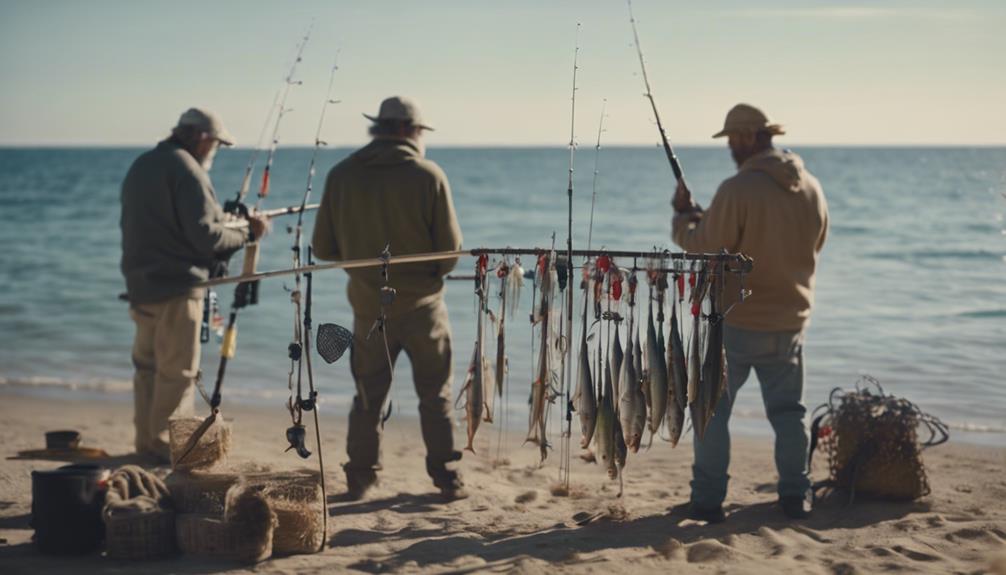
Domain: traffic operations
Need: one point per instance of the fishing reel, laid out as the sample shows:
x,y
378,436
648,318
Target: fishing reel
x,y
297,436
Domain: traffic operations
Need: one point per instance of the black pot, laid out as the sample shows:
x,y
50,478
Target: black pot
x,y
66,508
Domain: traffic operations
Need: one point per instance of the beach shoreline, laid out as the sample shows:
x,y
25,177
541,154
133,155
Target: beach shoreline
x,y
513,521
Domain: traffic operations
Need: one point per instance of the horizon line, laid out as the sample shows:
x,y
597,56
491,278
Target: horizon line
x,y
477,146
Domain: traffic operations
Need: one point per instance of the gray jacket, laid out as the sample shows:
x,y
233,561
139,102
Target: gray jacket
x,y
172,225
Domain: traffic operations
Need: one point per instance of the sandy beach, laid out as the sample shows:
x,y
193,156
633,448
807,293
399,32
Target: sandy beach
x,y
513,523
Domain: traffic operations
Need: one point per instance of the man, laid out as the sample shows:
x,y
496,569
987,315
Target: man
x,y
774,211
173,237
388,194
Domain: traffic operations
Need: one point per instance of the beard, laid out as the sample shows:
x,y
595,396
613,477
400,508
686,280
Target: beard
x,y
207,161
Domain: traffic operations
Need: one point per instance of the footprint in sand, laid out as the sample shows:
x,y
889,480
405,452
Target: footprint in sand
x,y
986,535
671,549
844,569
526,497
709,550
915,554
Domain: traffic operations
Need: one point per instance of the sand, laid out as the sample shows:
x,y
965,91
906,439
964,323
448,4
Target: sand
x,y
514,523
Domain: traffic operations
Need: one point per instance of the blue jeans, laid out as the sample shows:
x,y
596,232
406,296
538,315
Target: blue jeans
x,y
777,358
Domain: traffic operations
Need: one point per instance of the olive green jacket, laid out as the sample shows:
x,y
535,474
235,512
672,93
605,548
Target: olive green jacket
x,y
384,194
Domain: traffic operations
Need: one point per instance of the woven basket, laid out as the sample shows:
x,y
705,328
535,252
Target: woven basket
x,y
210,450
294,496
140,535
211,536
200,493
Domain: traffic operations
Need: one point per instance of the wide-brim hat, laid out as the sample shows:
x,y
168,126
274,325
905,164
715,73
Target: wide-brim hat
x,y
745,118
400,109
206,121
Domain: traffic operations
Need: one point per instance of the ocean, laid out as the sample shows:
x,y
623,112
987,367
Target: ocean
x,y
911,286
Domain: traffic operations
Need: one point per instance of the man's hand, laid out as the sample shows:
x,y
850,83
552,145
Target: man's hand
x,y
683,201
259,226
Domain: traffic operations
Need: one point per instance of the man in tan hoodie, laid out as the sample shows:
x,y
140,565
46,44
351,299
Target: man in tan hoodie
x,y
388,194
774,211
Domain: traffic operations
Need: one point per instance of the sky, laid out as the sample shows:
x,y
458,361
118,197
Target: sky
x,y
490,72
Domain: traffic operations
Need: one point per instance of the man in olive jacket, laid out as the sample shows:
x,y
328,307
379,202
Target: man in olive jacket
x,y
388,194
173,237
774,211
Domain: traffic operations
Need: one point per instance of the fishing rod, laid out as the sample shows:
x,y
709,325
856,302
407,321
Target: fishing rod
x,y
742,263
280,113
246,180
270,214
597,154
299,348
567,356
246,292
671,156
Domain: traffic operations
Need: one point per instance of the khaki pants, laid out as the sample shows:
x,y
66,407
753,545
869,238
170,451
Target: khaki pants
x,y
166,357
425,335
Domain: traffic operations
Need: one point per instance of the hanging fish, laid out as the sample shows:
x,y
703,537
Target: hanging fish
x,y
488,382
514,282
606,422
631,404
713,372
698,394
539,387
657,377
586,401
473,397
677,366
584,398
617,356
504,276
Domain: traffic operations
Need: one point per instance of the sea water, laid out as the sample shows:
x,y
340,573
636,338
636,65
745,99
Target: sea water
x,y
911,286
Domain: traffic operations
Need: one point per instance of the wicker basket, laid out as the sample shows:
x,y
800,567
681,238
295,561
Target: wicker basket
x,y
211,536
140,535
200,493
210,450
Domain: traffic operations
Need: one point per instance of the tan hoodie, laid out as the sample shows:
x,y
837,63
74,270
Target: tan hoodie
x,y
388,193
774,211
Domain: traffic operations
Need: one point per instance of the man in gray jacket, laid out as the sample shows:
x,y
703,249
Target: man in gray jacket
x,y
173,237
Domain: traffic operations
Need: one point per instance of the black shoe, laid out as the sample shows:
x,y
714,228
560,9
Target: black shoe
x,y
707,514
796,507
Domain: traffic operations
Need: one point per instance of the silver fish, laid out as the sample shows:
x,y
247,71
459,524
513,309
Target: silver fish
x,y
474,399
658,377
677,366
616,364
606,422
586,401
698,393
632,403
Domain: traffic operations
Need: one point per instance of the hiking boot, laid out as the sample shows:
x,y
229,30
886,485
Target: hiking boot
x,y
447,480
707,514
796,507
359,482
453,493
